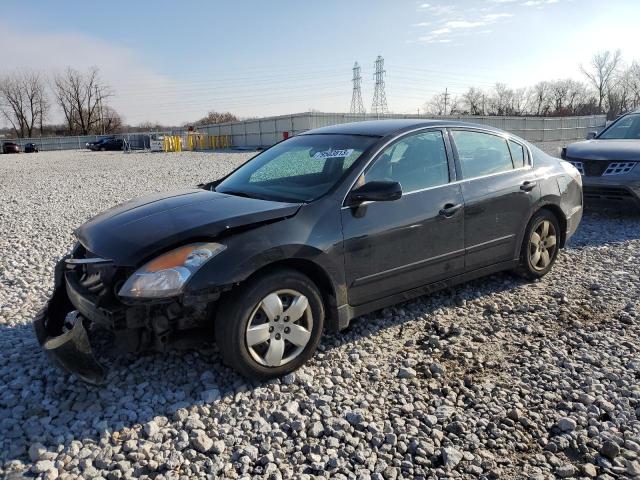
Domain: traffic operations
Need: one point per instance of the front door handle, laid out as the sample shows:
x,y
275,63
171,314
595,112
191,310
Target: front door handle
x,y
528,185
450,209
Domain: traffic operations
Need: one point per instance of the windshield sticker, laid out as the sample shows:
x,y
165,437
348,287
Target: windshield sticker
x,y
334,153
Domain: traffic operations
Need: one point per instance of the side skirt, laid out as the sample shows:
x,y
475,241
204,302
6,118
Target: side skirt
x,y
347,312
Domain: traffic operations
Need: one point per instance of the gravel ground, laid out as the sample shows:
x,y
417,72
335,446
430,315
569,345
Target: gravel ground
x,y
497,378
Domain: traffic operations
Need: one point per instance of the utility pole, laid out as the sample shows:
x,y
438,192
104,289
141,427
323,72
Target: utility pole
x,y
379,104
357,107
483,100
446,100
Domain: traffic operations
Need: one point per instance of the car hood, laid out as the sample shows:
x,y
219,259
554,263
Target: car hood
x,y
605,150
132,232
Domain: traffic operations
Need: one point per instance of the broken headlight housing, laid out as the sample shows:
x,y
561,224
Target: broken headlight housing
x,y
166,275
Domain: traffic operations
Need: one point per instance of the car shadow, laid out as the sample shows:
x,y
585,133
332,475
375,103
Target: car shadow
x,y
601,225
41,403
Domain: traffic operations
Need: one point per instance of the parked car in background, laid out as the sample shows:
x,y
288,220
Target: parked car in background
x,y
30,148
106,144
10,147
608,162
314,231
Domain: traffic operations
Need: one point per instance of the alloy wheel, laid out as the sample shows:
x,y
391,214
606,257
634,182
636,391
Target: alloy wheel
x,y
542,245
279,328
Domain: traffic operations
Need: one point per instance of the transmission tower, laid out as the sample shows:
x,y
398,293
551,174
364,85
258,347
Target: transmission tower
x,y
379,104
357,107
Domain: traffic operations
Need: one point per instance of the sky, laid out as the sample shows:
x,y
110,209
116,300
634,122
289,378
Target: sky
x,y
171,62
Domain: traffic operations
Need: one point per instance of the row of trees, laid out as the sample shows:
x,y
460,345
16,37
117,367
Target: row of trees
x,y
27,96
610,87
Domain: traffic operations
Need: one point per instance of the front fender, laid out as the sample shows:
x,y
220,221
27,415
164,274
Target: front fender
x,y
314,240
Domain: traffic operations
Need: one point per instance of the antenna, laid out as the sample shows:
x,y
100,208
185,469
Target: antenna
x,y
379,105
357,107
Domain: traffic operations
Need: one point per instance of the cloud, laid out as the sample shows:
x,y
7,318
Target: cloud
x,y
538,3
457,26
438,10
120,68
464,24
422,24
492,17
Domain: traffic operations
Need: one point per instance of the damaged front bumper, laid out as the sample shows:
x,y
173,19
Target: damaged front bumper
x,y
60,329
81,303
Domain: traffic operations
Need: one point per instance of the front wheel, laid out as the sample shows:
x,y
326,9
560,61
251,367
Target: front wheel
x,y
540,245
270,326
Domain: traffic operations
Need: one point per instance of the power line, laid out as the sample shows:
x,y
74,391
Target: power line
x,y
357,106
379,104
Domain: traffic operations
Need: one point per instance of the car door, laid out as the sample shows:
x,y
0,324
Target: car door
x,y
393,246
499,190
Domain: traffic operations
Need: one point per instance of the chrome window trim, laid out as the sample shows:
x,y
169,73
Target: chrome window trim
x,y
455,182
441,128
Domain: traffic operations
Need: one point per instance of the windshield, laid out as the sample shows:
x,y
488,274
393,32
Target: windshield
x,y
300,169
627,127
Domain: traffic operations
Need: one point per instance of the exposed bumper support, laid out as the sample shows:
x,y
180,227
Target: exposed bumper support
x,y
69,349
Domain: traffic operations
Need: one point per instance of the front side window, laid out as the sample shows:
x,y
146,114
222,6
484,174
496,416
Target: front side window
x,y
417,161
481,153
628,127
300,169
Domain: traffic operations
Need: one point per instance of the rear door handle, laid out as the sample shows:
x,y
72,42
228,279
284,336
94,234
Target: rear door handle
x,y
528,185
450,209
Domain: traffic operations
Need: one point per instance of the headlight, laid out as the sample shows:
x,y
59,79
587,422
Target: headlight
x,y
166,275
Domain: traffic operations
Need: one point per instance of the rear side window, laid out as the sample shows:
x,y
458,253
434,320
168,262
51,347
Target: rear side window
x,y
481,153
517,153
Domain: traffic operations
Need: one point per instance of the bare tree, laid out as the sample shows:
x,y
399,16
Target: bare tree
x,y
82,99
110,121
539,98
601,72
441,104
23,101
473,101
214,117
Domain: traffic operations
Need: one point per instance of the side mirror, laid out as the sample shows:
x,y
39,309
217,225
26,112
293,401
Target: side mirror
x,y
591,135
375,191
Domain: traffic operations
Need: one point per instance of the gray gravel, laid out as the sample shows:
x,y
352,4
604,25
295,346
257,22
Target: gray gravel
x,y
495,378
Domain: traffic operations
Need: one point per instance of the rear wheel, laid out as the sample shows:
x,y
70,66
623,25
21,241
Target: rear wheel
x,y
270,326
540,245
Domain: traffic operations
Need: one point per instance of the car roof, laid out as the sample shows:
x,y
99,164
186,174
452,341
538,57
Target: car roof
x,y
382,128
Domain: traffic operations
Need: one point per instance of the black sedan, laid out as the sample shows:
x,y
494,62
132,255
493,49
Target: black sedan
x,y
106,144
30,148
10,147
609,162
318,229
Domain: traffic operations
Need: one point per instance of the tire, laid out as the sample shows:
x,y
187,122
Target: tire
x,y
102,149
539,251
249,308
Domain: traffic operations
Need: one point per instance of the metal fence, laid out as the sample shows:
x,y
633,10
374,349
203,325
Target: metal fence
x,y
264,132
136,141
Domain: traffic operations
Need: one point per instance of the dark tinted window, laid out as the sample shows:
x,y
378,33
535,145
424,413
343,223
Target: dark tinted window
x,y
302,168
481,153
627,127
417,161
518,154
